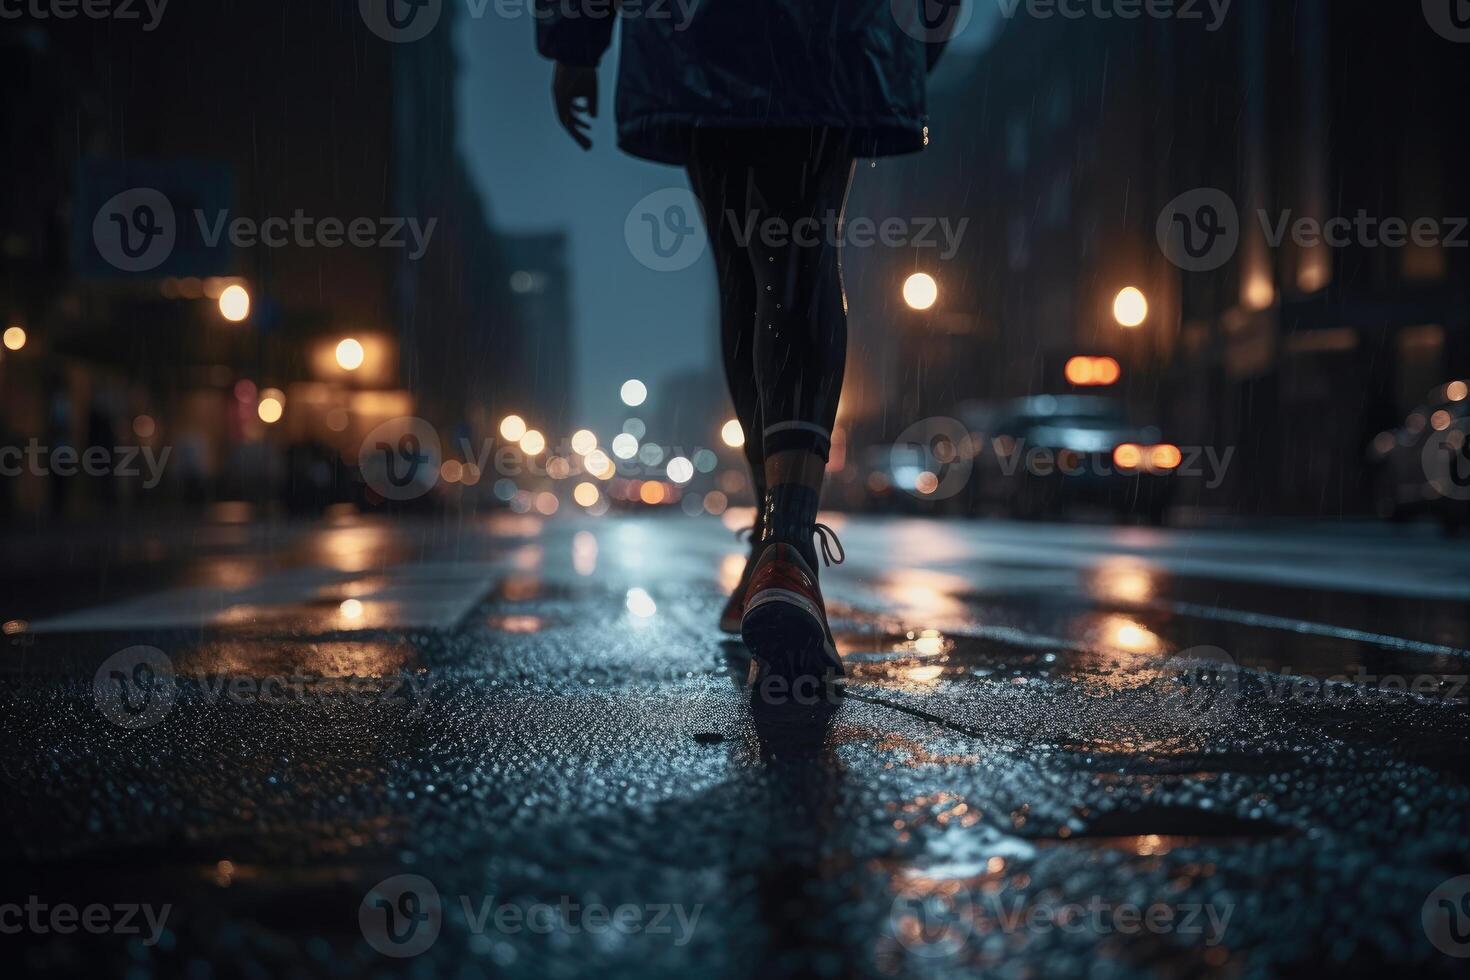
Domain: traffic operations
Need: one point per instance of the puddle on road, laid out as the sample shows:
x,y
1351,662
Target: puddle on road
x,y
1152,830
332,658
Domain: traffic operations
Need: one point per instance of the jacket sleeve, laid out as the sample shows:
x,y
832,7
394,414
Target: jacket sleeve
x,y
575,32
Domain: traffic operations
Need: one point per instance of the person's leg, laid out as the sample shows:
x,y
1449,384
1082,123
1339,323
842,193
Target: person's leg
x,y
719,178
719,181
797,190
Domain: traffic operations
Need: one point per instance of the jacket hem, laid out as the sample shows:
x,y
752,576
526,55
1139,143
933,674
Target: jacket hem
x,y
665,138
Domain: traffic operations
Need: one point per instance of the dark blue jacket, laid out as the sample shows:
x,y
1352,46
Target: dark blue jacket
x,y
750,63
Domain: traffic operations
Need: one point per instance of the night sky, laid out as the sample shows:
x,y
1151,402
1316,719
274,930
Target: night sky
x,y
630,320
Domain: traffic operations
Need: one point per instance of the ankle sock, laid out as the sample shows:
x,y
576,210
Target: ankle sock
x,y
790,516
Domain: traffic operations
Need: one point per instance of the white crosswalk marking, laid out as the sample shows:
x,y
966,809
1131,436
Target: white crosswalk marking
x,y
428,595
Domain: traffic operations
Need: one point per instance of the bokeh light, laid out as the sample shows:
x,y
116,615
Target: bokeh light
x,y
350,354
634,392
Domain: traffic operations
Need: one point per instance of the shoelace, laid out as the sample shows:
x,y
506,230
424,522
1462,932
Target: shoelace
x,y
828,539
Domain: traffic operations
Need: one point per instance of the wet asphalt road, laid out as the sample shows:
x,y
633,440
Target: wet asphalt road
x,y
1064,750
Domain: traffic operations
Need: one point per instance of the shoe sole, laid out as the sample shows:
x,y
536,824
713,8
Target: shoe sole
x,y
787,637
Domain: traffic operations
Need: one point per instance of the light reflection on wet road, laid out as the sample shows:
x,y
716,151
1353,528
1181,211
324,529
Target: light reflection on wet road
x,y
1026,753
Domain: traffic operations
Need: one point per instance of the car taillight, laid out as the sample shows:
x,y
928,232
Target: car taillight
x,y
1165,456
1128,456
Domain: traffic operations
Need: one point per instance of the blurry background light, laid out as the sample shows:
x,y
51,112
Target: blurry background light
x,y
599,465
583,442
272,405
1130,306
512,427
350,354
234,303
625,446
634,392
1128,456
920,291
15,338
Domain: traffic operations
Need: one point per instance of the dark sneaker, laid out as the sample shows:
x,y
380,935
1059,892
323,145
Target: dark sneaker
x,y
735,605
734,609
785,620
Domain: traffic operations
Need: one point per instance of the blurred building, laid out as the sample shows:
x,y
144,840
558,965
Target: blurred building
x,y
685,412
1065,142
299,113
541,294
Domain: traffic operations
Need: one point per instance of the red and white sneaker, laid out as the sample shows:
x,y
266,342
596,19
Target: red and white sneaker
x,y
734,609
785,620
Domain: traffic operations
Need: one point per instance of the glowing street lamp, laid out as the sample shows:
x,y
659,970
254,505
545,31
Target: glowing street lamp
x,y
920,291
1130,307
583,441
234,303
532,443
350,354
732,434
15,338
634,392
272,406
512,427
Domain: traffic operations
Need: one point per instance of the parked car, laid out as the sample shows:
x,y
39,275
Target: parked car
x,y
1042,455
1422,467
